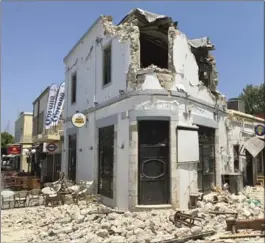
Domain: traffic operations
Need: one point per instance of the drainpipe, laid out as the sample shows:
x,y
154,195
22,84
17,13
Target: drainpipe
x,y
95,130
65,156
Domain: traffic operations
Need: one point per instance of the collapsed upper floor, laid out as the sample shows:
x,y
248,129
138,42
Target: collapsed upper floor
x,y
144,51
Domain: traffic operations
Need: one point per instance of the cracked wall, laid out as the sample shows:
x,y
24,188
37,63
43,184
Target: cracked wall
x,y
129,31
190,62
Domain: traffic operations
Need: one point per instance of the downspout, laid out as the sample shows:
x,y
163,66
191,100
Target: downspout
x,y
95,147
66,144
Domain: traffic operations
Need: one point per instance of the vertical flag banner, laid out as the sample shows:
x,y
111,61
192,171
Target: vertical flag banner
x,y
59,104
51,104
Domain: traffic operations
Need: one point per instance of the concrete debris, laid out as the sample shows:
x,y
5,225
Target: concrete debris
x,y
94,222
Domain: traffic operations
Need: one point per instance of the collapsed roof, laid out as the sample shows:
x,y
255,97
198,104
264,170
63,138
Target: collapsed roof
x,y
159,24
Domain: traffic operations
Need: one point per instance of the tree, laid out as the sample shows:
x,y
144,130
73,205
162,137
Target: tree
x,y
6,139
254,98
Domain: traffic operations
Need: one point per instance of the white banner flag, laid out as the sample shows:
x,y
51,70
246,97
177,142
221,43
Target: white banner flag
x,y
51,104
59,104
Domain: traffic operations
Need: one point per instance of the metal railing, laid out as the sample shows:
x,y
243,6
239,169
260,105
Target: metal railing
x,y
54,130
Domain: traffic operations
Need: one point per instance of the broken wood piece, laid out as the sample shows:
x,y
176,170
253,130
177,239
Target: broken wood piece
x,y
233,224
185,219
234,236
191,237
219,212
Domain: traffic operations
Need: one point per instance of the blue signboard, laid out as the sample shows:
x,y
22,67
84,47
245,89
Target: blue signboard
x,y
260,130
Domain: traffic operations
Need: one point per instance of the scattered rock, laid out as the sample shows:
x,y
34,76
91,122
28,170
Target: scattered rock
x,y
97,223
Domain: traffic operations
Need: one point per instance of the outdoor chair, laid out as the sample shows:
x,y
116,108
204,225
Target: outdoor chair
x,y
34,195
21,198
7,197
52,195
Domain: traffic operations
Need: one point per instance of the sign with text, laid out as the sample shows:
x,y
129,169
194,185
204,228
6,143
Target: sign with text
x,y
59,104
50,105
79,120
157,105
14,149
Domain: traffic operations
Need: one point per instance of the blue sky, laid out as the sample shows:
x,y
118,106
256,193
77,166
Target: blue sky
x,y
37,35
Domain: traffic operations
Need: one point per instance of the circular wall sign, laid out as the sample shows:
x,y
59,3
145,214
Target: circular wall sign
x,y
51,147
79,120
260,130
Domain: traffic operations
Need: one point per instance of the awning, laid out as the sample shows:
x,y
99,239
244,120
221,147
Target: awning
x,y
254,146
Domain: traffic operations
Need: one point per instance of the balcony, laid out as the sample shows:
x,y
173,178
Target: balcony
x,y
51,134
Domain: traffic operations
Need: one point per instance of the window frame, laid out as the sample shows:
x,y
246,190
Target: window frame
x,y
236,153
106,48
73,87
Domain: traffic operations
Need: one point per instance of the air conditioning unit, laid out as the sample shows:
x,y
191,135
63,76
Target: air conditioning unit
x,y
236,104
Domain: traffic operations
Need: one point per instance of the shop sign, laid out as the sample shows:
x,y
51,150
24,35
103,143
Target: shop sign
x,y
79,120
157,105
14,149
260,130
50,147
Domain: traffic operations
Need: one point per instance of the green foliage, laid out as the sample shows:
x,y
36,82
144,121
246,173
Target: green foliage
x,y
6,139
254,98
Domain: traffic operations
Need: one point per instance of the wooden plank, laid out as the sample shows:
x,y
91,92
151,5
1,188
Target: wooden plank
x,y
234,236
234,225
190,237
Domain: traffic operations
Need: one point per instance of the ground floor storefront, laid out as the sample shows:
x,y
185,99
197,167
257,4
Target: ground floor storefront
x,y
45,164
151,156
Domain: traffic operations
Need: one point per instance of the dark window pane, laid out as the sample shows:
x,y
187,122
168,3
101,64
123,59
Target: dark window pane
x,y
106,159
73,90
107,65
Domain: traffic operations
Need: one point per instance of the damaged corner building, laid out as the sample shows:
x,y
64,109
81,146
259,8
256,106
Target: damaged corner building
x,y
155,132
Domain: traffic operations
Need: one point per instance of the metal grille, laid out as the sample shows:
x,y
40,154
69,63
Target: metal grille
x,y
153,162
72,158
106,161
206,166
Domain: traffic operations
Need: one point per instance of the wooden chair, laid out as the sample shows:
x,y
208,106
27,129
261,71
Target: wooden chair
x,y
34,195
21,198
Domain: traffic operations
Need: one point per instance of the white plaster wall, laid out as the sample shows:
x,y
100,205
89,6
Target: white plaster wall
x,y
122,167
186,72
222,149
188,179
87,138
89,67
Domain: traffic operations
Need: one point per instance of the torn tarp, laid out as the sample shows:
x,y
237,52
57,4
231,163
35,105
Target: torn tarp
x,y
148,16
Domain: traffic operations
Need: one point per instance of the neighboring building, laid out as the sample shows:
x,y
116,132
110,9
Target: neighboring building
x,y
155,121
244,158
23,136
45,163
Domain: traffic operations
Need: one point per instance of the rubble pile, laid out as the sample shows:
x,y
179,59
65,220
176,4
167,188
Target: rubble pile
x,y
248,204
94,222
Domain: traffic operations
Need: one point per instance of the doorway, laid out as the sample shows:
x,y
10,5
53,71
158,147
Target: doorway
x,y
206,166
153,157
105,161
72,157
249,181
